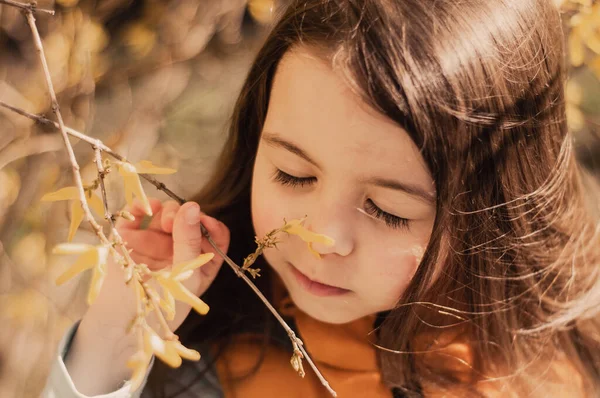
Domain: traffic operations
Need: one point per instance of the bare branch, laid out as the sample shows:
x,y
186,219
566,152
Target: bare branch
x,y
31,7
129,263
92,141
56,109
290,332
162,187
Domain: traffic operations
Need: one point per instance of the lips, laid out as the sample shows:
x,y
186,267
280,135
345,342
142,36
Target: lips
x,y
314,287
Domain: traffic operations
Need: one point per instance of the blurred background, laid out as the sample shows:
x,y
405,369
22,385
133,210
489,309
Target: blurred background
x,y
154,80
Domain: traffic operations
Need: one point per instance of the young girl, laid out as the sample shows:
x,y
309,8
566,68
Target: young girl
x,y
428,139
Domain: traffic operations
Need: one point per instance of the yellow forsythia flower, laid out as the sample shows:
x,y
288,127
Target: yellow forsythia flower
x,y
173,289
170,352
138,363
132,183
296,227
165,351
90,256
72,193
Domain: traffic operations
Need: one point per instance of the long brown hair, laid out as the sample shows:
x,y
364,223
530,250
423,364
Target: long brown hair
x,y
514,257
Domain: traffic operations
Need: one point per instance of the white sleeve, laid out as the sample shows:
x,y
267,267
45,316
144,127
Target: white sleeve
x,y
60,385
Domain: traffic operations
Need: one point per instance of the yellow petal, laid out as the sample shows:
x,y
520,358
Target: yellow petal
x,y
576,49
167,303
308,236
72,248
96,283
138,363
147,345
128,192
68,193
184,352
133,186
84,262
313,251
180,293
138,374
183,276
294,223
164,351
76,218
95,203
192,265
146,167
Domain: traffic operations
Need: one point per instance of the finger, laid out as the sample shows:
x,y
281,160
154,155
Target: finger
x,y
168,215
187,237
137,210
169,208
149,243
219,234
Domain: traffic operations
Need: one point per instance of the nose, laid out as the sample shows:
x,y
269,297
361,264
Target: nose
x,y
331,221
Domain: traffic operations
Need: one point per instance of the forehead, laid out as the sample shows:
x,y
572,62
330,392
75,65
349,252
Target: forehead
x,y
312,105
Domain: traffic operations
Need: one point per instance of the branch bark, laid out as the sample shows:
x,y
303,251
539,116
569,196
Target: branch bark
x,y
99,146
31,7
162,187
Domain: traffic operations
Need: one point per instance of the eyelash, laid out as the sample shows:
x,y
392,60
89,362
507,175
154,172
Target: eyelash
x,y
390,220
288,180
372,209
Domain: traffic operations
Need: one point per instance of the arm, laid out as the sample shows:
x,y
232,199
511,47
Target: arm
x,y
60,383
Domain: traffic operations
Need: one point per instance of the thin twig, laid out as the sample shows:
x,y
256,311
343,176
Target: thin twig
x,y
56,109
92,141
129,263
74,165
98,145
32,7
237,269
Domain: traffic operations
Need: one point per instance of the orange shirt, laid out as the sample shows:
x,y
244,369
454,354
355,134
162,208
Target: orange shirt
x,y
347,359
342,353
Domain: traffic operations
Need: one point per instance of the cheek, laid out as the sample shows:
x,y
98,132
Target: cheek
x,y
265,213
400,270
391,277
400,263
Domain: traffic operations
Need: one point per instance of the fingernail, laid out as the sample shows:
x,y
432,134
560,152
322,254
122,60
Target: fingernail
x,y
192,216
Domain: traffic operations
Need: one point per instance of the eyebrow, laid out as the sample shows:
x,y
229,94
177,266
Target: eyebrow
x,y
410,189
275,140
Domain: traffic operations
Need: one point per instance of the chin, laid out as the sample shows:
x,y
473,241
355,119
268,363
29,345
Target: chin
x,y
327,312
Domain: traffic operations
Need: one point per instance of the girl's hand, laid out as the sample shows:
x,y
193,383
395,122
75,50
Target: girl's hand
x,y
173,236
97,358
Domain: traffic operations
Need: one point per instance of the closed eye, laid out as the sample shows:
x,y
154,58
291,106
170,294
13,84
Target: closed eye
x,y
390,220
289,180
371,208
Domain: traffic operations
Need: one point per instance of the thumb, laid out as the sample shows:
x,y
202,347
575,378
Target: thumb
x,y
187,237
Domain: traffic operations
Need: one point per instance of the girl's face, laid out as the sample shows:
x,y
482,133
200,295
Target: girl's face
x,y
360,179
